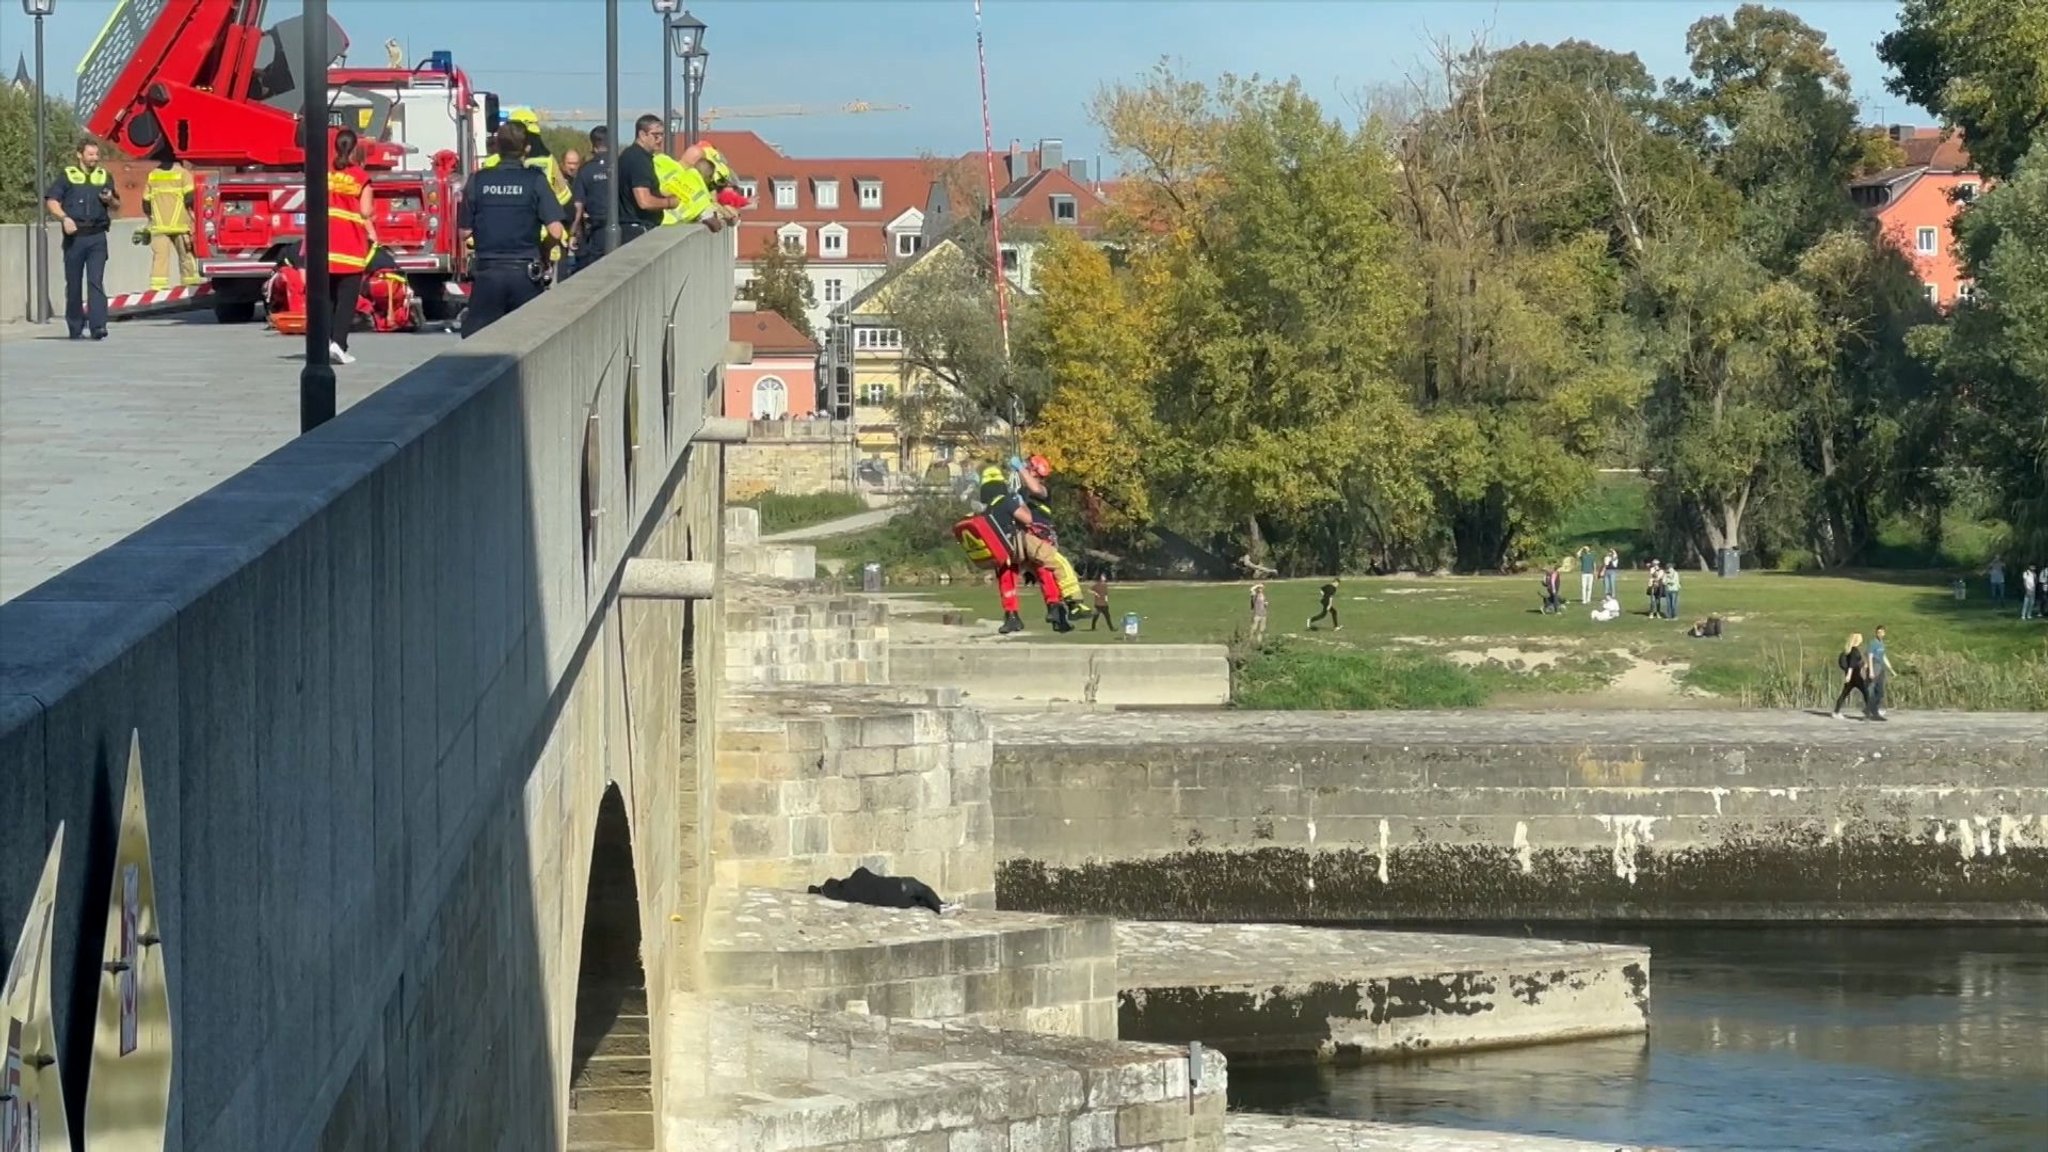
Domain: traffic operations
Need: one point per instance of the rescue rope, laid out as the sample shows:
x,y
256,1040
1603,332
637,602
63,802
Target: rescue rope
x,y
995,217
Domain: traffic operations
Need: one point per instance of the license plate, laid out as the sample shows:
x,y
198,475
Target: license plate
x,y
298,219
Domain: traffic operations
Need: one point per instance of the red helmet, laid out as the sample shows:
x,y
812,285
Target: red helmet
x,y
1039,466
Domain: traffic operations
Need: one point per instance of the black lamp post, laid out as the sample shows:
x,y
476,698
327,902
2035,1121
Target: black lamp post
x,y
316,379
686,40
693,75
39,305
666,9
618,140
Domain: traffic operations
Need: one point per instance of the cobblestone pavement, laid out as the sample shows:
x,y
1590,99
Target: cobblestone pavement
x,y
1251,1132
1165,953
97,439
1723,729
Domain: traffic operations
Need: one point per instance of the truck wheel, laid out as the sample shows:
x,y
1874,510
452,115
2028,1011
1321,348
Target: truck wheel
x,y
234,311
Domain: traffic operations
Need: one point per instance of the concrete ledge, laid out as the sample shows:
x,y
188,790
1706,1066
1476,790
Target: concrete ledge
x,y
775,561
1505,816
765,1078
1113,675
1251,1132
995,969
1263,990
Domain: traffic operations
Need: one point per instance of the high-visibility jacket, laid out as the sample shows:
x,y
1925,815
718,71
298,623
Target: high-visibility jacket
x,y
168,192
348,233
686,184
548,168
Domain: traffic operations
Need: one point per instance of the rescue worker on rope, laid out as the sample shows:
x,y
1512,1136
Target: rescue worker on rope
x,y
168,192
537,156
82,199
1000,537
695,180
506,212
1031,477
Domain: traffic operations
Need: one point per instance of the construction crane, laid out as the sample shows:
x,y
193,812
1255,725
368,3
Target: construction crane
x,y
710,116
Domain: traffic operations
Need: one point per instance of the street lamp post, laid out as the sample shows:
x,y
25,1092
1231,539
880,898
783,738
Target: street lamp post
x,y
617,142
666,9
316,379
39,305
686,40
693,78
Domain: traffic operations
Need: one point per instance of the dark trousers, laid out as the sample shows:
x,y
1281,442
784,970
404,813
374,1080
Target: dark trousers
x,y
1329,610
346,289
589,249
85,282
1857,685
1101,614
497,290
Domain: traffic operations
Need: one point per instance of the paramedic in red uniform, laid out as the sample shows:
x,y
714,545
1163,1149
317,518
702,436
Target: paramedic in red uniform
x,y
350,237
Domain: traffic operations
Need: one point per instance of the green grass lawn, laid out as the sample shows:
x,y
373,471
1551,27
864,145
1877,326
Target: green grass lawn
x,y
1474,641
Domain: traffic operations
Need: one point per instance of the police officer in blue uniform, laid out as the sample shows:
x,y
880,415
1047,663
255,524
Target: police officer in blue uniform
x,y
82,199
594,200
503,211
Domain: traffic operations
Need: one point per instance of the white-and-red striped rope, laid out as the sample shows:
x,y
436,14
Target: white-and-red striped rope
x,y
995,216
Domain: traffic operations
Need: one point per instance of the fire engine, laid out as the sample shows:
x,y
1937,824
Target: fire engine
x,y
198,80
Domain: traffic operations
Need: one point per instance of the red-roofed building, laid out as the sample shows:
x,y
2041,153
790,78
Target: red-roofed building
x,y
782,378
1041,189
851,218
1915,206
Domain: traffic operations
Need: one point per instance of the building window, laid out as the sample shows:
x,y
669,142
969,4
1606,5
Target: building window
x,y
827,193
832,242
1063,210
1933,293
1009,259
877,339
835,289
909,243
1966,191
771,398
792,237
1966,291
749,188
874,395
785,193
1927,241
871,193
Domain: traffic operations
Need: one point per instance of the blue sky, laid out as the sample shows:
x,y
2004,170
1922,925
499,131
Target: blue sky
x,y
1046,57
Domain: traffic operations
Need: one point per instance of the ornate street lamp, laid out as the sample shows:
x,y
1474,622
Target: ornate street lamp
x,y
39,306
695,64
666,9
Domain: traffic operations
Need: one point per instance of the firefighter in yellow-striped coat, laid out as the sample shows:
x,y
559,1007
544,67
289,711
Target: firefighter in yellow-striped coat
x,y
168,192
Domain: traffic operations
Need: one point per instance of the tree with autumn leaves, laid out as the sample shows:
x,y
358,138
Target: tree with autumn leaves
x,y
1411,340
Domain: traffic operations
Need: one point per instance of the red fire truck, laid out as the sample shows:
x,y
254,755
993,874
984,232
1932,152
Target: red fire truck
x,y
199,81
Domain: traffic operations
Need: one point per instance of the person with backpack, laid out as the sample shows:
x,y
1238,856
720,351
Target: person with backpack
x,y
1854,675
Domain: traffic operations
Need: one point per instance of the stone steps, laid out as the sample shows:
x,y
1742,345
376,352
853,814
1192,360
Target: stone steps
x,y
611,1099
611,1132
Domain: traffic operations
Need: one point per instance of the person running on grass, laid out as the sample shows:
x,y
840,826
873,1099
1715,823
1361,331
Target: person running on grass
x,y
1329,607
1854,670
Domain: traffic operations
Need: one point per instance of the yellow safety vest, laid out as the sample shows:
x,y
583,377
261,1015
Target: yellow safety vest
x,y
168,192
693,195
97,176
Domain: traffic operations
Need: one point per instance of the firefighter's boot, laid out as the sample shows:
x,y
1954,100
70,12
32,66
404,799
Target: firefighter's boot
x,y
1011,623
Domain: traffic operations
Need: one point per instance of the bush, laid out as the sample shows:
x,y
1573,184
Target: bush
x,y
781,513
914,547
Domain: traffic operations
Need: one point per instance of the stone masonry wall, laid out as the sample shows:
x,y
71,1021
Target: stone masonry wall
x,y
811,787
1500,816
794,467
773,638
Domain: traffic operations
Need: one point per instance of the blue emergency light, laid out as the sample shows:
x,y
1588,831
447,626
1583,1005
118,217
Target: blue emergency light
x,y
441,60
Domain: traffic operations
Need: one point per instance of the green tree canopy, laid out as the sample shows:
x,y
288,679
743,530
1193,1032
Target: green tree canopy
x,y
1980,65
21,186
782,284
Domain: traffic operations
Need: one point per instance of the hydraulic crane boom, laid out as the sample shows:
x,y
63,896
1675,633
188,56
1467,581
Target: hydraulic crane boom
x,y
198,79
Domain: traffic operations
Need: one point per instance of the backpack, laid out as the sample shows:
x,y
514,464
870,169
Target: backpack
x,y
1842,662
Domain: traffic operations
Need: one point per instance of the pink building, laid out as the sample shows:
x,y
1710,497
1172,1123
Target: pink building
x,y
782,380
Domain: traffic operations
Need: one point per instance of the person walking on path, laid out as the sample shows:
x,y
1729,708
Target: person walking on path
x,y
1329,607
1586,565
1258,613
1880,674
1997,574
1100,591
1854,674
2027,579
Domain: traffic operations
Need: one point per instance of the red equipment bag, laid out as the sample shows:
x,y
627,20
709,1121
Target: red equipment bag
x,y
388,303
984,543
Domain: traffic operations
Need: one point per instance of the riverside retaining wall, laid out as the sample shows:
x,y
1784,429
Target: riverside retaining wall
x,y
1557,816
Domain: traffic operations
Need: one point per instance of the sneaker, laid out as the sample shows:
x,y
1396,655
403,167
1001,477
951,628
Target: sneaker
x,y
1311,625
1336,627
339,354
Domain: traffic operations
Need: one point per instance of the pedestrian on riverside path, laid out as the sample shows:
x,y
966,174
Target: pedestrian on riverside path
x,y
1880,670
1854,669
82,199
1100,591
1329,607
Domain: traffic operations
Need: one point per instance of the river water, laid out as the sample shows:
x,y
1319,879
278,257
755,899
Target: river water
x,y
1814,1039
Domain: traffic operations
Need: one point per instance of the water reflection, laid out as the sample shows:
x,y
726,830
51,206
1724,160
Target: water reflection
x,y
1862,1040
